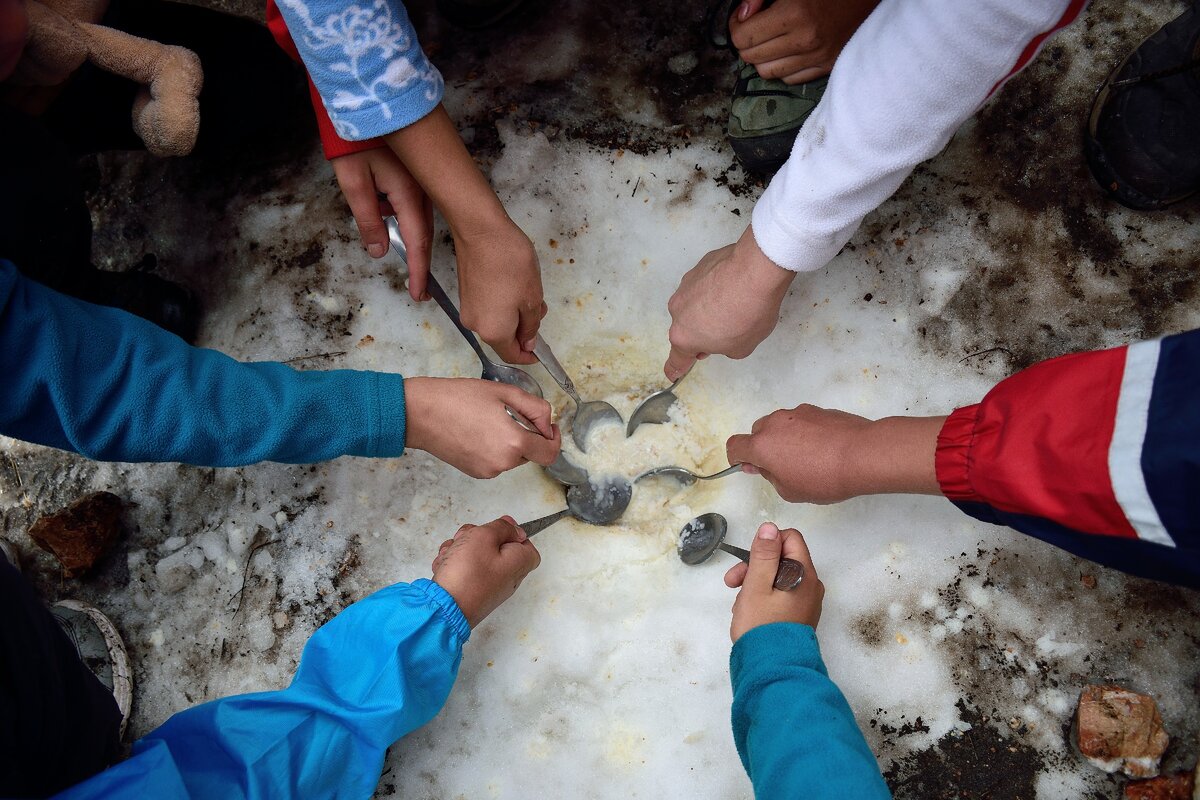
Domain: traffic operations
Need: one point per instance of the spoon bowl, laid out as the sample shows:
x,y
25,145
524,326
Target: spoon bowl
x,y
597,503
705,535
655,409
587,415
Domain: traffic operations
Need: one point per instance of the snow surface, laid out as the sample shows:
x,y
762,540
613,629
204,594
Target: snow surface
x,y
607,674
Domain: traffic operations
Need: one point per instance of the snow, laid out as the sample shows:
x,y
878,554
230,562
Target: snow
x,y
606,675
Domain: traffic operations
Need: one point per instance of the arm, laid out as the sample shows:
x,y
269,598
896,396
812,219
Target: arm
x,y
794,731
380,669
792,726
113,387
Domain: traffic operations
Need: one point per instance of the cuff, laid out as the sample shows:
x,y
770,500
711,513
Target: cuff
x,y
767,647
952,461
332,144
789,246
447,609
388,425
398,112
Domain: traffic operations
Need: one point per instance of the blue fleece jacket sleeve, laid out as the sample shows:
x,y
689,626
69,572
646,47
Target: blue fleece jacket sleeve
x,y
377,671
109,385
793,728
365,61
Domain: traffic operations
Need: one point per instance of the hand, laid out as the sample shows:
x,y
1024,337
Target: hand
x,y
483,565
14,24
726,304
462,421
759,602
818,455
500,289
366,175
796,40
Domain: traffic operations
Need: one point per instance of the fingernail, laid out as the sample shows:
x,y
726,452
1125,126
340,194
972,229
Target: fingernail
x,y
768,532
376,250
743,12
529,345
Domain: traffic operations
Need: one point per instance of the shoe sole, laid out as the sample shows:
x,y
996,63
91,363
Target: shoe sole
x,y
122,687
764,154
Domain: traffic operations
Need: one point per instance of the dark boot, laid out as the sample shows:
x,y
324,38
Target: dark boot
x,y
1143,135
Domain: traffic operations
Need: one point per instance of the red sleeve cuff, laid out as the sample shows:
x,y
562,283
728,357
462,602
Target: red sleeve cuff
x,y
952,461
331,143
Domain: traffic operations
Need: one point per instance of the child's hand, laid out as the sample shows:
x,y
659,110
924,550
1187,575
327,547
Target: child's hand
x,y
819,455
367,175
759,602
500,289
463,422
795,40
483,565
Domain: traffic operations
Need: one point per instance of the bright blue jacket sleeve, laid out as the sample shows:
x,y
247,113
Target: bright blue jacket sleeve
x,y
793,728
377,671
113,387
366,63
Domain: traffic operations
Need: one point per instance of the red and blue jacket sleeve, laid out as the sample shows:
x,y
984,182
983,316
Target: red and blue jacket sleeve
x,y
1097,453
331,143
380,669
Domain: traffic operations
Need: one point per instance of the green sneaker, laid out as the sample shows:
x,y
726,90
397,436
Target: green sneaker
x,y
766,115
100,649
475,14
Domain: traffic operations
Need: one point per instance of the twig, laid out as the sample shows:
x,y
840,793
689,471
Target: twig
x,y
318,355
1004,350
16,471
636,185
240,594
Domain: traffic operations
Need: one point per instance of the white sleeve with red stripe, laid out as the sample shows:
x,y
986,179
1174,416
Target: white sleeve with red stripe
x,y
908,78
1098,453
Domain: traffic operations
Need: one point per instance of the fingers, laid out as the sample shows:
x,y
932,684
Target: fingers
x,y
534,409
736,575
764,559
527,328
748,9
795,548
740,448
359,189
414,218
678,362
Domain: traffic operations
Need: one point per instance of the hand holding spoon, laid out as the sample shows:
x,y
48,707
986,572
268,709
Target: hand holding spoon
x,y
704,535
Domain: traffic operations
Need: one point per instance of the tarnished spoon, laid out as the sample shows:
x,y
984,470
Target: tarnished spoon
x,y
587,415
704,535
599,504
686,476
656,408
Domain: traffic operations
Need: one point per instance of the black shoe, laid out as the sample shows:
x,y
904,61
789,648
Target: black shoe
x,y
1143,135
168,305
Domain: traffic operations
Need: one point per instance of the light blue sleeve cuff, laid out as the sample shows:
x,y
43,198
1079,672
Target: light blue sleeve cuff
x,y
447,608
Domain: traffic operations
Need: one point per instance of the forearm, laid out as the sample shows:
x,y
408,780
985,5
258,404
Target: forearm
x,y
111,386
905,82
895,455
792,727
377,671
434,153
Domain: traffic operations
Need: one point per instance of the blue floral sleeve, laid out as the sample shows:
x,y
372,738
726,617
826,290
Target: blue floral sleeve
x,y
366,63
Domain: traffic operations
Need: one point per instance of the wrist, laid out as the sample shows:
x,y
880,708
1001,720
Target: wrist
x,y
760,273
419,394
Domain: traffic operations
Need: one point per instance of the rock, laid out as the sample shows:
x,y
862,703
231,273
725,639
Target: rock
x,y
1168,787
81,533
1119,729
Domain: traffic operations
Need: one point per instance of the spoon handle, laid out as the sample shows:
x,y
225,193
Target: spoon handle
x,y
539,525
438,293
728,471
546,356
787,577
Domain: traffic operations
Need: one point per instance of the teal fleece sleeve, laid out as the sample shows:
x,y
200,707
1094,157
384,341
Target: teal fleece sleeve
x,y
793,728
113,387
380,669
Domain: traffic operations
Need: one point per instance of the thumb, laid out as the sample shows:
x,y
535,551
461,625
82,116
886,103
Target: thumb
x,y
739,449
678,363
764,559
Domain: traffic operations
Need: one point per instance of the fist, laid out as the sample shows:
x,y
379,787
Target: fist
x,y
483,565
759,602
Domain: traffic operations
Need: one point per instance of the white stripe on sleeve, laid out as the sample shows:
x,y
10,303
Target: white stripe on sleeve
x,y
1129,434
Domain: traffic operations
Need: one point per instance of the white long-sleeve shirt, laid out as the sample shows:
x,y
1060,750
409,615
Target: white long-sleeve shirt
x,y
909,77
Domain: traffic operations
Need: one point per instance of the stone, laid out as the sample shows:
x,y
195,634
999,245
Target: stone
x,y
1167,787
1119,729
81,533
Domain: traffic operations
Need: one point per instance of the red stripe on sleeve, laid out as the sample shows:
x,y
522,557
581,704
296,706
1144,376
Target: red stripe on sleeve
x,y
1073,11
1038,444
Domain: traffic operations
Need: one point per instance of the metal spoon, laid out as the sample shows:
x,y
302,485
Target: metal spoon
x,y
686,476
587,415
599,504
501,373
656,408
704,535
